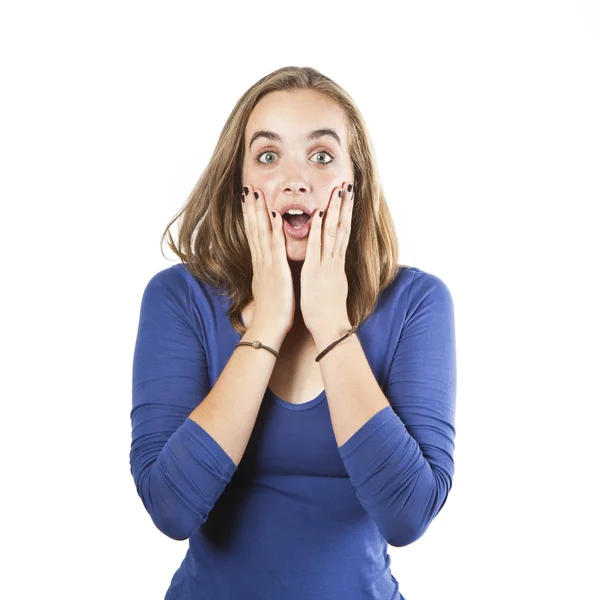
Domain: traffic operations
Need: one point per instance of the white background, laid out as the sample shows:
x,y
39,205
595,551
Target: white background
x,y
485,118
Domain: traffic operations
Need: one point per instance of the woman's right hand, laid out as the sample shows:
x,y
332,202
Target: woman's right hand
x,y
272,285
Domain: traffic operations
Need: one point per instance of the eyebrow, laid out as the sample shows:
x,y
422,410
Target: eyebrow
x,y
313,135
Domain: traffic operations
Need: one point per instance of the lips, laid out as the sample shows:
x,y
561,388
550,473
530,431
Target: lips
x,y
299,233
299,205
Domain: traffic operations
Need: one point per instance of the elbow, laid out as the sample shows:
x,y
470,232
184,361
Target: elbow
x,y
414,522
175,529
176,520
407,534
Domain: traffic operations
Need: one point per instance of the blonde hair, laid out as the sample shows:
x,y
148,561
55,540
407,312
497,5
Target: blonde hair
x,y
211,237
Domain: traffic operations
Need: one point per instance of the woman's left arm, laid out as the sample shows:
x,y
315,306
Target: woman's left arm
x,y
400,455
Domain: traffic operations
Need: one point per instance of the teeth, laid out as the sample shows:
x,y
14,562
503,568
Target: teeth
x,y
294,211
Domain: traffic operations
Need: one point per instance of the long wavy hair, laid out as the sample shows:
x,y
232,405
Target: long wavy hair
x,y
211,236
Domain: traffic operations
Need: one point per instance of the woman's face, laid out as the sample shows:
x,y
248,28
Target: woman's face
x,y
296,169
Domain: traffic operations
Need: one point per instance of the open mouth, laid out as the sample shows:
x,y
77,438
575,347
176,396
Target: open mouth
x,y
297,226
297,221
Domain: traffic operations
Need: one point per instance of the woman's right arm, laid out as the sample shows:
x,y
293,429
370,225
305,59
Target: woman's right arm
x,y
187,440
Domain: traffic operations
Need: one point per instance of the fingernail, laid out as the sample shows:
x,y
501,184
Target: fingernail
x,y
256,195
246,190
243,198
341,193
320,213
350,187
273,213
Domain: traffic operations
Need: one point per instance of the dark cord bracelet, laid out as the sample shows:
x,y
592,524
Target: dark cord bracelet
x,y
322,354
256,344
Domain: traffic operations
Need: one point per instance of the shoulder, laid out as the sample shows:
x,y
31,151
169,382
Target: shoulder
x,y
415,295
177,281
176,291
412,285
175,277
167,287
428,300
426,284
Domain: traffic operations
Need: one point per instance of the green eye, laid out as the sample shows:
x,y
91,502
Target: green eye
x,y
258,157
328,154
266,152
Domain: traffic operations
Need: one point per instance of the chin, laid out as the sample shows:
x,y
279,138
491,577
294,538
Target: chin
x,y
296,252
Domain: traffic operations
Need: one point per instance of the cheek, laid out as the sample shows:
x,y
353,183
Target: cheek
x,y
266,186
329,183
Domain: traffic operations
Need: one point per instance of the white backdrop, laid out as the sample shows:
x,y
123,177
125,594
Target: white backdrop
x,y
486,124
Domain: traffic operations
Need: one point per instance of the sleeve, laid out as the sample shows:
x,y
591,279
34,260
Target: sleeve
x,y
401,461
178,468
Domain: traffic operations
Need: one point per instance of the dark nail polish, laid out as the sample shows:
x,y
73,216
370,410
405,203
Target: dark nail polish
x,y
350,187
320,213
341,193
246,190
273,213
243,198
256,195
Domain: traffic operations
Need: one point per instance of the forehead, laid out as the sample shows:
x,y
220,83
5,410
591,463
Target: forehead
x,y
293,115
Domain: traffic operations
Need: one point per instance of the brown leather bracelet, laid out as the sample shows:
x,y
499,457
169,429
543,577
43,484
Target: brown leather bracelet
x,y
322,354
256,344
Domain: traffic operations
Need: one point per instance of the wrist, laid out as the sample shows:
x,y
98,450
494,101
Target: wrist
x,y
265,335
330,333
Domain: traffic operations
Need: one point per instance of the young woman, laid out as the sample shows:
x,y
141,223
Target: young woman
x,y
294,387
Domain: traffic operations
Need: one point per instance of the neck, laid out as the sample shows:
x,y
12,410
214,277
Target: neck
x,y
298,336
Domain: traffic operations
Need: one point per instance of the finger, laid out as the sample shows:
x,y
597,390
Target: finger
x,y
278,240
330,224
250,224
345,223
256,222
313,246
264,232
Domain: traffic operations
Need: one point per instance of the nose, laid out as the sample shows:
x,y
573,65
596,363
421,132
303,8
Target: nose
x,y
295,190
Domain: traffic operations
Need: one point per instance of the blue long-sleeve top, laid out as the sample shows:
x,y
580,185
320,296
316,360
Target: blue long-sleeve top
x,y
299,517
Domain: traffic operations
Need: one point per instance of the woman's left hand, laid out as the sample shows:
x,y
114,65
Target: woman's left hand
x,y
323,281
